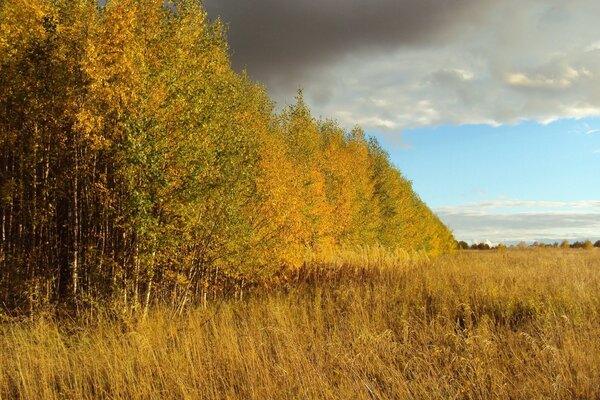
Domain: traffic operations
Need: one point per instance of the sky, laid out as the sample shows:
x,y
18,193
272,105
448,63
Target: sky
x,y
490,108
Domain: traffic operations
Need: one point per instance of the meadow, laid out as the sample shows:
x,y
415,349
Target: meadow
x,y
518,324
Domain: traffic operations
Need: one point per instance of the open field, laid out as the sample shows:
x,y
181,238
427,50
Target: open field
x,y
475,325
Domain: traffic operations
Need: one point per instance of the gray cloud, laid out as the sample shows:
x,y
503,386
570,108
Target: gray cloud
x,y
503,221
395,64
527,227
279,40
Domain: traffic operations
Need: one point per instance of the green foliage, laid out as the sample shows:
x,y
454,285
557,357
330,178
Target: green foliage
x,y
136,165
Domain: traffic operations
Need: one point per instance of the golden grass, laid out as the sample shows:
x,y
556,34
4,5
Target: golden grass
x,y
475,325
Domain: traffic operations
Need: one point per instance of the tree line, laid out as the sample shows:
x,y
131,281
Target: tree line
x,y
137,166
565,244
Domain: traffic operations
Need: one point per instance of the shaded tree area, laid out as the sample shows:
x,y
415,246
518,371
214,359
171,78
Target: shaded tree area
x,y
586,244
137,166
480,246
462,245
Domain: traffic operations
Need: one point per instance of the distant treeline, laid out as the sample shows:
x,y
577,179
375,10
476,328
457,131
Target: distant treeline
x,y
136,165
565,244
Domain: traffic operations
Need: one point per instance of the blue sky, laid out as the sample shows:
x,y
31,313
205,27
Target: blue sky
x,y
527,169
452,165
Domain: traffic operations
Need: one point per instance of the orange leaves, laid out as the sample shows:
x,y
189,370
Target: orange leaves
x,y
348,193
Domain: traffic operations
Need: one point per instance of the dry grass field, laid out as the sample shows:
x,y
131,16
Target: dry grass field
x,y
474,325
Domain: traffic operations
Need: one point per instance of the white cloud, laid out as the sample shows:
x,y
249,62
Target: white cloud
x,y
514,220
567,77
562,206
585,129
593,46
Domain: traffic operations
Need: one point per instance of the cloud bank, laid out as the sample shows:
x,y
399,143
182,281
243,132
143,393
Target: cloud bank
x,y
395,64
507,221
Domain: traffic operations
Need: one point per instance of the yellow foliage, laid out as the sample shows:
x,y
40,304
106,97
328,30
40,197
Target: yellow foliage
x,y
147,152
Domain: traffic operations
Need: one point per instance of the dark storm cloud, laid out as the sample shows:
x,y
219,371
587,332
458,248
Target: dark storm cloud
x,y
275,38
389,65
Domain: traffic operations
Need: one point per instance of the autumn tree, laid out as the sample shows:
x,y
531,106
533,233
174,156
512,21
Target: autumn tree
x,y
137,166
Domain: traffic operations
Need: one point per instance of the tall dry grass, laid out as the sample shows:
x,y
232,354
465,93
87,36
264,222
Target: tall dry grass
x,y
514,325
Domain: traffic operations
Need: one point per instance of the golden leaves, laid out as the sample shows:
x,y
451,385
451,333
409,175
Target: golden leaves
x,y
137,125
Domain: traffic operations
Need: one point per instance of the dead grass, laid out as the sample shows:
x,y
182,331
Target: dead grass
x,y
366,325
